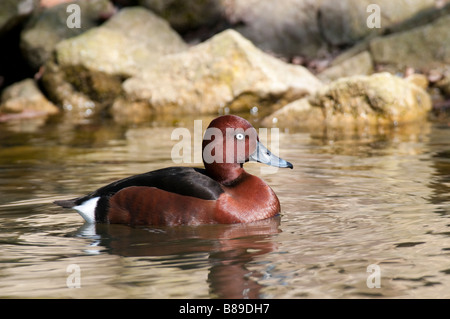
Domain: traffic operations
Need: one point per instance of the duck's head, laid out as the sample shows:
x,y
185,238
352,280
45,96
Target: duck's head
x,y
228,143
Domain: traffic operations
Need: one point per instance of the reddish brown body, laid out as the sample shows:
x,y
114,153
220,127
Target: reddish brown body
x,y
251,200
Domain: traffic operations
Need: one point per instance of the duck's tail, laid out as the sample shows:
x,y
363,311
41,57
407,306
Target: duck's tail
x,y
86,208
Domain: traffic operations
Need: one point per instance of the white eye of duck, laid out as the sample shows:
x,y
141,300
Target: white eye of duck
x,y
240,136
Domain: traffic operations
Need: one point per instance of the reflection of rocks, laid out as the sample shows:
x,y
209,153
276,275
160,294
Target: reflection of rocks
x,y
225,71
47,27
24,99
378,99
440,184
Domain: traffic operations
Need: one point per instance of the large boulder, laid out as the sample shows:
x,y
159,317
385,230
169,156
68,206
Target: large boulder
x,y
289,28
423,48
379,99
345,22
313,28
121,46
227,71
88,70
49,26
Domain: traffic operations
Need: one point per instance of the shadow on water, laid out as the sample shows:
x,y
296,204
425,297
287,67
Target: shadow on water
x,y
227,250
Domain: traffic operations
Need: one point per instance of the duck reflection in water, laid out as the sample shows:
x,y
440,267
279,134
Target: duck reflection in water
x,y
230,248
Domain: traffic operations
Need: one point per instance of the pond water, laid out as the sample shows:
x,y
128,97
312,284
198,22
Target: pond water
x,y
364,215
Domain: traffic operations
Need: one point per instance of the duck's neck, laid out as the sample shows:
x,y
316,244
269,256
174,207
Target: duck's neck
x,y
224,173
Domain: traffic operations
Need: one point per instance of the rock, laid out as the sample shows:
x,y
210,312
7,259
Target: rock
x,y
444,82
359,64
227,71
121,46
299,113
88,70
25,97
64,94
379,99
49,26
423,48
184,15
345,22
418,79
312,29
125,112
289,28
13,12
423,17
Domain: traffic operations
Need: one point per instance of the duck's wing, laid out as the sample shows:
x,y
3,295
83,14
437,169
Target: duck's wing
x,y
187,181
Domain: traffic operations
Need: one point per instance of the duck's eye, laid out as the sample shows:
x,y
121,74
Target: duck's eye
x,y
240,136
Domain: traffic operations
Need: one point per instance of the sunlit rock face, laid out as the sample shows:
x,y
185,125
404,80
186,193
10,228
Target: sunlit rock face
x,y
225,71
366,100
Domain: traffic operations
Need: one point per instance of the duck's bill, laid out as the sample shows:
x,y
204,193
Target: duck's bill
x,y
263,155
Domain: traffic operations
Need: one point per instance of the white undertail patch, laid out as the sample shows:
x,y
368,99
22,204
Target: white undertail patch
x,y
87,209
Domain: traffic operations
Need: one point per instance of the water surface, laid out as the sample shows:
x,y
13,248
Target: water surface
x,y
351,201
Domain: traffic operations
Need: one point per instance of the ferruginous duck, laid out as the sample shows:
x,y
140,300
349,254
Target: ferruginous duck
x,y
221,193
